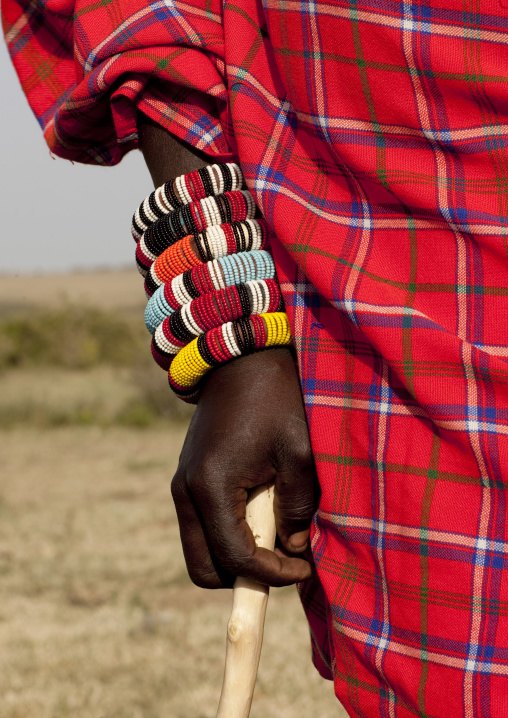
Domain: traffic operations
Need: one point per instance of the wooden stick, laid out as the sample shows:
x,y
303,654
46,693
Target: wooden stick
x,y
245,627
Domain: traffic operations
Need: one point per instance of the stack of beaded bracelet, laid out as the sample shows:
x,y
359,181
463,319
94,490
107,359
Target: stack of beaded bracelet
x,y
209,275
193,220
217,274
211,310
216,242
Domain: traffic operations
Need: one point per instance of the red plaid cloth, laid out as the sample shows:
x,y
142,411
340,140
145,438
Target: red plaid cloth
x,y
373,134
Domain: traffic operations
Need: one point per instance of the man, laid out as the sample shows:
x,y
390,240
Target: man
x,y
372,135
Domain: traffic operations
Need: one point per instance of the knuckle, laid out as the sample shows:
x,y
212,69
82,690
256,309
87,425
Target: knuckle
x,y
208,467
296,456
302,456
297,508
299,517
203,578
178,486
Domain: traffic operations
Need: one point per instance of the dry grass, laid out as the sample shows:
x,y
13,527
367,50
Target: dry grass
x,y
122,289
104,395
72,336
97,616
77,364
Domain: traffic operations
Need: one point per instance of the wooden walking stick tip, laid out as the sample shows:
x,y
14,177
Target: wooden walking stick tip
x,y
245,626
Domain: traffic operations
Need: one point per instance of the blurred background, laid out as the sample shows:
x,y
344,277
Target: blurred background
x,y
97,615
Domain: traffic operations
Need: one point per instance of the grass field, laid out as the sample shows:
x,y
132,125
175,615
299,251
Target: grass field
x,y
98,618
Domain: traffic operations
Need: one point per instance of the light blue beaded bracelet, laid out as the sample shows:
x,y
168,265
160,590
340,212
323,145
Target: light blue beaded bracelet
x,y
236,268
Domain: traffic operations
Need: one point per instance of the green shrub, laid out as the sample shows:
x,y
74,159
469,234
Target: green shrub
x,y
74,337
44,417
82,338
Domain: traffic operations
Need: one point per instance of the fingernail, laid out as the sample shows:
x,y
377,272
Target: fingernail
x,y
298,541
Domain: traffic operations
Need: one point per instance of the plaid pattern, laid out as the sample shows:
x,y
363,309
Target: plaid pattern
x,y
373,135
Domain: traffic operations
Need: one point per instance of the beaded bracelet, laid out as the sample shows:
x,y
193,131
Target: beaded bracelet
x,y
211,310
192,218
221,344
216,242
205,182
212,276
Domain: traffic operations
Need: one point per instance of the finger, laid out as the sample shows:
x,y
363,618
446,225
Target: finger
x,y
274,569
233,544
306,554
295,503
203,569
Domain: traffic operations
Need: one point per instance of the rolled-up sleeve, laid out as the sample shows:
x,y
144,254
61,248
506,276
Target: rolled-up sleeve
x,y
88,66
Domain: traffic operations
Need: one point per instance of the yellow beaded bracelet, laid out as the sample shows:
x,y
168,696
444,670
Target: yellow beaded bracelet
x,y
219,345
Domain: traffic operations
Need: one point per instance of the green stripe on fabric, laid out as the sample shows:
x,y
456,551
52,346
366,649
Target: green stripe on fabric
x,y
428,495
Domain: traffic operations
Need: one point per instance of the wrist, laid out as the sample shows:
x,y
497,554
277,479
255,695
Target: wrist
x,y
250,377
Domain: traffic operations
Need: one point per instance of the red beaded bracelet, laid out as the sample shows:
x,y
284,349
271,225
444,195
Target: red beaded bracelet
x,y
209,311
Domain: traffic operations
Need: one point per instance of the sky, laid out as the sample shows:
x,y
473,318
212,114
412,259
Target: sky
x,y
59,216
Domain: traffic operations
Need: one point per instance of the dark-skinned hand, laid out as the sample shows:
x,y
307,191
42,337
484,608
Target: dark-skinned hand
x,y
249,428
